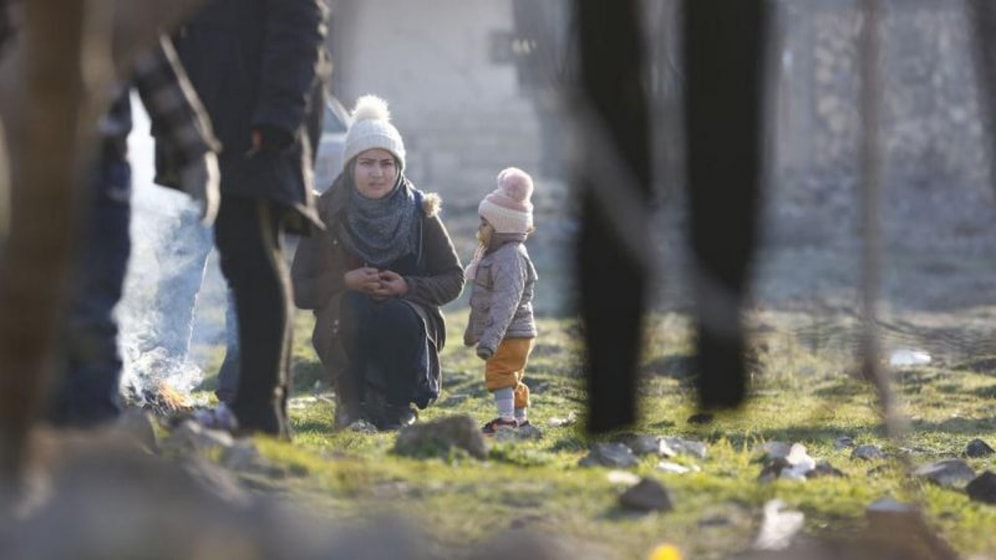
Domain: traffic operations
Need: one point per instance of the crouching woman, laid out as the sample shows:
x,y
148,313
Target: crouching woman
x,y
376,279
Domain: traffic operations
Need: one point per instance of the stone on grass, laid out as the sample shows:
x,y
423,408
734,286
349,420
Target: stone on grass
x,y
675,468
441,436
946,473
843,442
773,469
867,452
778,527
363,426
825,469
455,399
641,444
978,448
529,431
243,456
558,422
772,450
504,434
135,425
191,438
647,495
215,479
799,462
688,447
615,455
622,478
983,488
795,464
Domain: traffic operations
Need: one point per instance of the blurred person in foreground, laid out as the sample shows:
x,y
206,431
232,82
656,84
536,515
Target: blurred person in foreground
x,y
254,64
376,279
87,393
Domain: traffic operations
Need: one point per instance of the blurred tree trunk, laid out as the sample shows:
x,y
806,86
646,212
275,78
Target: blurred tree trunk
x,y
55,82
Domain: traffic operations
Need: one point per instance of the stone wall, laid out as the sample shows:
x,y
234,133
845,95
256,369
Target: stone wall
x,y
934,141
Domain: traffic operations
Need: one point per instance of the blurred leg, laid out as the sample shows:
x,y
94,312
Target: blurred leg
x,y
723,155
612,82
248,234
88,391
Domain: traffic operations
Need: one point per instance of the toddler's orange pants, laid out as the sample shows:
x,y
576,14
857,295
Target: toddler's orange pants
x,y
508,366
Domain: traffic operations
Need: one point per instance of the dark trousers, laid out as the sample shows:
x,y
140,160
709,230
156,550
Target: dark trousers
x,y
86,392
384,343
248,234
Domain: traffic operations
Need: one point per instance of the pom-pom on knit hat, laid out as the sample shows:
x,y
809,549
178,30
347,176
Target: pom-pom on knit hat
x,y
372,128
509,208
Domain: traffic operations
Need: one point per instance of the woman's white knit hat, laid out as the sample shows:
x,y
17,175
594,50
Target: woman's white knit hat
x,y
509,208
372,128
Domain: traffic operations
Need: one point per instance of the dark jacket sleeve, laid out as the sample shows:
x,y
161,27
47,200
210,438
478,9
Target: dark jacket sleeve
x,y
444,280
173,106
295,32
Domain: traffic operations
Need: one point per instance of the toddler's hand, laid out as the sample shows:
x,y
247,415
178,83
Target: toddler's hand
x,y
484,353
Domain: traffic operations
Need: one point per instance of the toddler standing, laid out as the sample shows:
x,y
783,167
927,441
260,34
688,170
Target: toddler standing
x,y
501,324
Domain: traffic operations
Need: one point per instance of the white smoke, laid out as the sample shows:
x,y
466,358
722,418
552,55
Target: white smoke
x,y
156,213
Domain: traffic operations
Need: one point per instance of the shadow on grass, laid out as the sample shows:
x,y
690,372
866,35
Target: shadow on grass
x,y
617,514
662,425
570,443
312,425
986,392
949,388
979,365
847,388
959,426
305,373
675,366
817,434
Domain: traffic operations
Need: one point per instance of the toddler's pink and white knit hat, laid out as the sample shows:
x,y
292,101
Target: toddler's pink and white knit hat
x,y
509,208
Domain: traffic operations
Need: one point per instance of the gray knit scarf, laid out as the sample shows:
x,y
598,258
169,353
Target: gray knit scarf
x,y
380,230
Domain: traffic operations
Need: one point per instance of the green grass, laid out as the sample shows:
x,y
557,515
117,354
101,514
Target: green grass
x,y
798,395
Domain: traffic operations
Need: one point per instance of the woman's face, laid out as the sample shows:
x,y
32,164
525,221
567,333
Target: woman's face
x,y
375,173
484,232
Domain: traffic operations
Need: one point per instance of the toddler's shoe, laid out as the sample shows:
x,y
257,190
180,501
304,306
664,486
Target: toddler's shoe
x,y
494,425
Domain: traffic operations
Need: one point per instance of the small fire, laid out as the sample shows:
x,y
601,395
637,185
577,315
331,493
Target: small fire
x,y
169,399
